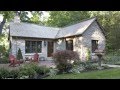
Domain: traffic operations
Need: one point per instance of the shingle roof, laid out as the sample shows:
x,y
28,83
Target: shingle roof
x,y
32,30
75,29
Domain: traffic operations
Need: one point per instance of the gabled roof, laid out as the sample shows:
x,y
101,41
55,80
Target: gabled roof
x,y
32,30
75,29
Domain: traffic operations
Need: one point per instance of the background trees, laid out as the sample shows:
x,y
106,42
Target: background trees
x,y
110,21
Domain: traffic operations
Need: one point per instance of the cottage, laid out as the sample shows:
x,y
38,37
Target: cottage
x,y
80,37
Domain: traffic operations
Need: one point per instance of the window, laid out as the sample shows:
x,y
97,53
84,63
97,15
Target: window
x,y
69,45
33,46
94,45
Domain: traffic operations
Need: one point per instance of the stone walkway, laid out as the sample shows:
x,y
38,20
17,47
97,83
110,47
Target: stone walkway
x,y
47,63
111,65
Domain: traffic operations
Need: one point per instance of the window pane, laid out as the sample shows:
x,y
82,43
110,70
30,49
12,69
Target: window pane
x,y
39,46
33,46
69,45
27,47
94,45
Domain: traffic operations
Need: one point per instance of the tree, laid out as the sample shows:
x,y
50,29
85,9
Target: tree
x,y
19,55
110,20
63,18
7,16
23,16
35,18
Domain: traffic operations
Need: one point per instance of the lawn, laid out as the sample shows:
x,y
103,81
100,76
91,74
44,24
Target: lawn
x,y
113,73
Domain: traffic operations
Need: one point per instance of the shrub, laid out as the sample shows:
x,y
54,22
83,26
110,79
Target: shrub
x,y
77,69
91,67
19,55
32,70
4,55
52,72
63,59
2,50
42,70
4,60
28,70
88,57
4,73
106,67
14,74
109,59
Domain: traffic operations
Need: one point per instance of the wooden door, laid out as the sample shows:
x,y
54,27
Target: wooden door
x,y
50,48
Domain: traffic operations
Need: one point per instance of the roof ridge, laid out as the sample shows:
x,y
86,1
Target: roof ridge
x,y
58,32
38,25
79,22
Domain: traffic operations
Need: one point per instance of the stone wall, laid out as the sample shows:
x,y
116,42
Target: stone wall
x,y
16,44
60,44
20,43
93,33
77,45
80,44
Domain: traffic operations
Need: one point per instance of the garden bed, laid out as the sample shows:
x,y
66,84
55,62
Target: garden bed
x,y
112,73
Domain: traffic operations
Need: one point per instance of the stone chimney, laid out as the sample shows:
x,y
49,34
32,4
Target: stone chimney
x,y
17,18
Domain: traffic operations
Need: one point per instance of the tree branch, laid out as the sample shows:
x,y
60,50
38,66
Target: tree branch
x,y
2,25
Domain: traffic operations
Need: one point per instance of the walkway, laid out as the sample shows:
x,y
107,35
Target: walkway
x,y
47,63
111,65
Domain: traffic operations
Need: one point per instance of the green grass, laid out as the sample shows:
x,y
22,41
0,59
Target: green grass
x,y
113,73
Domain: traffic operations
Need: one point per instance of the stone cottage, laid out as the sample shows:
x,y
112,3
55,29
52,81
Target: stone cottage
x,y
80,37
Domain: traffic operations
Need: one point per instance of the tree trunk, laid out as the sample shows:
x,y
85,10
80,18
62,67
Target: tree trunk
x,y
2,25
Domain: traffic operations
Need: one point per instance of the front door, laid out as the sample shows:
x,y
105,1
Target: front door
x,y
50,47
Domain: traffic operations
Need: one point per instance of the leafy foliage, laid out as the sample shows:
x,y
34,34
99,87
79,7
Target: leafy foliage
x,y
53,72
28,70
7,16
14,74
19,55
3,54
32,69
63,18
88,55
4,73
63,59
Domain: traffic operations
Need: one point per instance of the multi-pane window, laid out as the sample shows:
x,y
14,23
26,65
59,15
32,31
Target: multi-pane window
x,y
69,45
94,45
33,46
